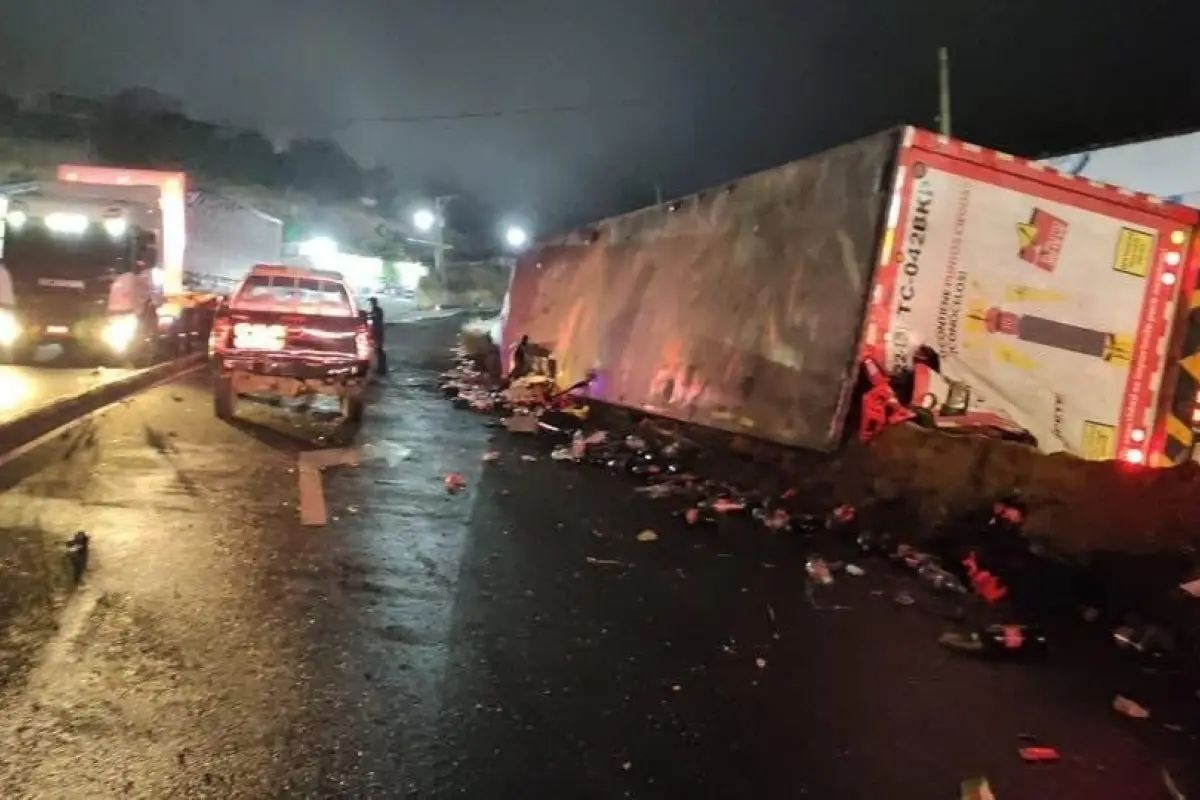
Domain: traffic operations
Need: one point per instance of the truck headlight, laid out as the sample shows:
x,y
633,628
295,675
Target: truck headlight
x,y
10,329
120,331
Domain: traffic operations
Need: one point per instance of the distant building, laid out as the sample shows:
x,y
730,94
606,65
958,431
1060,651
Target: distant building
x,y
1168,167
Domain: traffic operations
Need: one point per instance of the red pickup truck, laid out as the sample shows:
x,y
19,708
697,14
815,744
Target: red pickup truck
x,y
290,332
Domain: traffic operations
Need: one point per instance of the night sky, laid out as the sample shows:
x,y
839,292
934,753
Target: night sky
x,y
682,93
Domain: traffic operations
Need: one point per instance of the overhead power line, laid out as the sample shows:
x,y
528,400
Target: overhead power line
x,y
415,119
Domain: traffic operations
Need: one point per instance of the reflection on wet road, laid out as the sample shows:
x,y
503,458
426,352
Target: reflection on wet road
x,y
25,388
427,644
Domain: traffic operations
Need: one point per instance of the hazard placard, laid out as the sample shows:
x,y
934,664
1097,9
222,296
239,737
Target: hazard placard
x,y
1135,250
1099,441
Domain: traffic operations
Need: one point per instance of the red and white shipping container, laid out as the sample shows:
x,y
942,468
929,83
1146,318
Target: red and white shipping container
x,y
1062,302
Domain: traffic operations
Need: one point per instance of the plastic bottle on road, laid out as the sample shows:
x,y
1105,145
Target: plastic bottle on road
x,y
1001,641
819,571
578,445
940,579
1014,638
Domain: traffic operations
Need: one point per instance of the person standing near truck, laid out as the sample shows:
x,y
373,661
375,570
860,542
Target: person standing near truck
x,y
378,324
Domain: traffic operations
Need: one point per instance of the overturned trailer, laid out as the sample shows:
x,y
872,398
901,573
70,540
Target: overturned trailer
x,y
1062,303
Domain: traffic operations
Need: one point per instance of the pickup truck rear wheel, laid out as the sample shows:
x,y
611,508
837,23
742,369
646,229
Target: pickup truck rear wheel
x,y
352,408
223,398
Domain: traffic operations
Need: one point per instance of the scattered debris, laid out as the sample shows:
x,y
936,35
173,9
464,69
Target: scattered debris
x,y
1171,787
974,559
1123,705
976,789
761,663
491,456
818,571
1148,640
1039,755
997,641
455,483
521,423
77,555
810,594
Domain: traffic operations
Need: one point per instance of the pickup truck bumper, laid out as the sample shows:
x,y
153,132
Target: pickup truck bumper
x,y
254,374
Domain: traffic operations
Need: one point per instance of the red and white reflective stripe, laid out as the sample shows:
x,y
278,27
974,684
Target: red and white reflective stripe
x,y
1045,173
877,325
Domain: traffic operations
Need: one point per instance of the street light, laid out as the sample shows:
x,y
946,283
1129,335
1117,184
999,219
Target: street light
x,y
424,219
434,220
516,237
319,247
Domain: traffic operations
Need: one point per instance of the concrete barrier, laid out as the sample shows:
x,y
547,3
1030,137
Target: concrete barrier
x,y
44,419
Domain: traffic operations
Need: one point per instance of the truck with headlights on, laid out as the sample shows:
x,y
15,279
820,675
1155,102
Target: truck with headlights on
x,y
121,264
80,269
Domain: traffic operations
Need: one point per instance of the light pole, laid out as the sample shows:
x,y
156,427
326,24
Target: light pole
x,y
434,220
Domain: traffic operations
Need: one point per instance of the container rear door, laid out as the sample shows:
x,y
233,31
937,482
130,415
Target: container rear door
x,y
1051,297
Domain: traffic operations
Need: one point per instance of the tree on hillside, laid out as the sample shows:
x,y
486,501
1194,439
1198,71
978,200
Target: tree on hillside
x,y
141,127
143,101
388,243
322,168
247,157
380,185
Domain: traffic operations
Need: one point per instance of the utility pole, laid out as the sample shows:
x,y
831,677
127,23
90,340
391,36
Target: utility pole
x,y
439,245
944,90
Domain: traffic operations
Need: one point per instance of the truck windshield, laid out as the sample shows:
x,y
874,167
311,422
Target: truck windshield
x,y
34,252
300,295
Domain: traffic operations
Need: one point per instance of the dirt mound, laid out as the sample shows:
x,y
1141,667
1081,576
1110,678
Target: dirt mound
x,y
1075,505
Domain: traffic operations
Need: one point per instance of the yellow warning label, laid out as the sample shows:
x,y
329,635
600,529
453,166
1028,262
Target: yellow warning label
x,y
1135,249
1099,441
1026,233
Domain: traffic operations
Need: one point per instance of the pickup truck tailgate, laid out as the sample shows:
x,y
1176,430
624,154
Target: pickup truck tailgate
x,y
302,335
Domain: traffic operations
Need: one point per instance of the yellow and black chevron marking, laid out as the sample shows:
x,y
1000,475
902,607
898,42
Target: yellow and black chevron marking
x,y
1180,428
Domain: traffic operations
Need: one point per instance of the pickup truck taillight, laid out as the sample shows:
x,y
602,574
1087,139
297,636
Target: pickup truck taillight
x,y
219,336
362,343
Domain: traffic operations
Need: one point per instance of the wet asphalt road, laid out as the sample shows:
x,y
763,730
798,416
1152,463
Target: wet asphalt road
x,y
25,388
433,645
